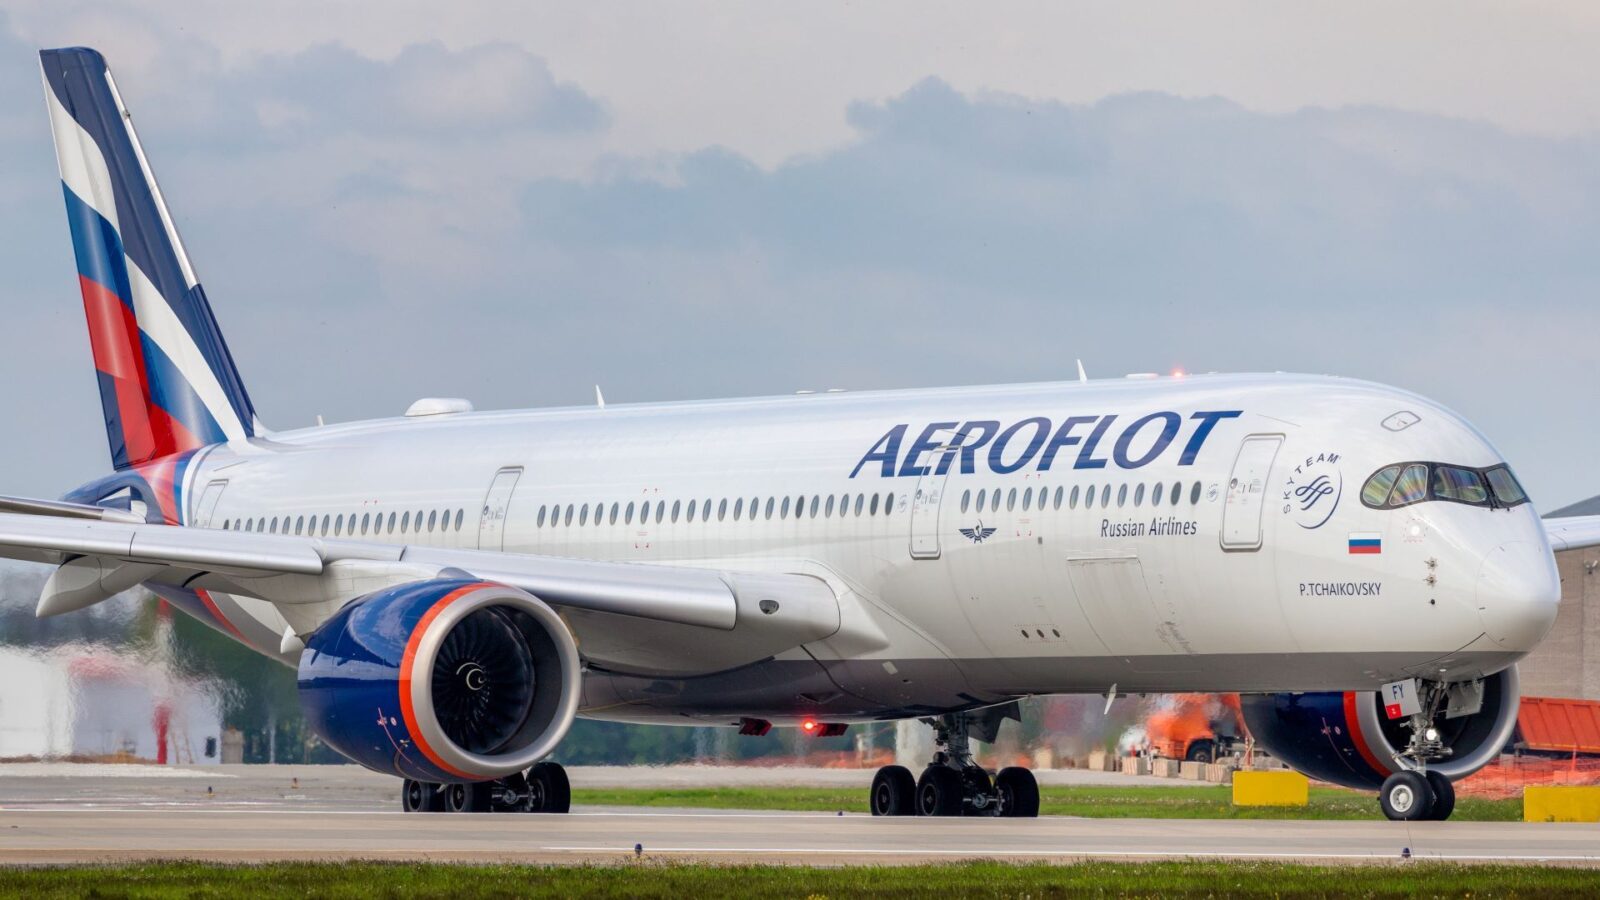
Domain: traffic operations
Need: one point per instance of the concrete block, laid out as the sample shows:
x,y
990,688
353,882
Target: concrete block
x,y
1164,768
1192,771
1135,765
1097,761
1560,803
1220,773
1280,788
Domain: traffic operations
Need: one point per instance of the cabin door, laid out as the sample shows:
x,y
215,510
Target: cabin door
x,y
492,524
206,509
926,500
1247,492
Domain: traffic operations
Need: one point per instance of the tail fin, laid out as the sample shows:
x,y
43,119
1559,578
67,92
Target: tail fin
x,y
167,381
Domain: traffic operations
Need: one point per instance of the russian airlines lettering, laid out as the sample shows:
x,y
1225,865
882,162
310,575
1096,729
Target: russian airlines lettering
x,y
1032,441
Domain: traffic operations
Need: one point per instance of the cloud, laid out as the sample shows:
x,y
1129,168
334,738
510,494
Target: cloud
x,y
453,222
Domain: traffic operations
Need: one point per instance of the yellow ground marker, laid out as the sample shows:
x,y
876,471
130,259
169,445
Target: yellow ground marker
x,y
1270,789
1560,803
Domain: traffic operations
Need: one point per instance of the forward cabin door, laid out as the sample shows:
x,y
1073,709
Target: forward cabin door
x,y
492,524
925,501
1247,492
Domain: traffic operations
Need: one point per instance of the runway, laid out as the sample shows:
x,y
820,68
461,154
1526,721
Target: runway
x,y
337,813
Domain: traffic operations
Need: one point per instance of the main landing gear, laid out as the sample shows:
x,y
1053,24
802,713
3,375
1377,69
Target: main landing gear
x,y
954,785
1415,792
542,789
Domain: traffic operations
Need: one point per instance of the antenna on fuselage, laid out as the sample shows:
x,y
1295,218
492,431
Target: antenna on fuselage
x,y
599,398
1083,377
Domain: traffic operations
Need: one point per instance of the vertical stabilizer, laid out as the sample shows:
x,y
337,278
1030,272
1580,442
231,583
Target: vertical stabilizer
x,y
167,381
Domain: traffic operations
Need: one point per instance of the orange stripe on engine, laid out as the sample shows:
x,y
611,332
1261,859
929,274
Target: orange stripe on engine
x,y
406,711
1360,740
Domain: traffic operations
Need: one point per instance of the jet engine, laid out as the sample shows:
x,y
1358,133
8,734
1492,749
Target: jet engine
x,y
444,680
1345,738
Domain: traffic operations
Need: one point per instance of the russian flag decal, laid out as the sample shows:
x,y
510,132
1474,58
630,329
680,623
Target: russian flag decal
x,y
1366,542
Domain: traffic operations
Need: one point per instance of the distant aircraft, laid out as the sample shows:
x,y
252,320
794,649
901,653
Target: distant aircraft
x,y
456,586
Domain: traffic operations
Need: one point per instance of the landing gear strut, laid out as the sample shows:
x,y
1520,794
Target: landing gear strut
x,y
1416,792
953,784
542,789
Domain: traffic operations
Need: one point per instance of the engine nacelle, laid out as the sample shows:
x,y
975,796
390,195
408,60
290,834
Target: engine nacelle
x,y
1345,738
443,681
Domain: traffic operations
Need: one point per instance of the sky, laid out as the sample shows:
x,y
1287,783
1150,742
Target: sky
x,y
514,202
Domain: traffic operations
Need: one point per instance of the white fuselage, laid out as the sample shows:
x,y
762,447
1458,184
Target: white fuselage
x,y
968,538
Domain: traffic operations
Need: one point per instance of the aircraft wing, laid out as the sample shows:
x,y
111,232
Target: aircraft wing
x,y
1573,532
306,579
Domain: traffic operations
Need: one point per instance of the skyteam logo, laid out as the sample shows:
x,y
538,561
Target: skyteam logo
x,y
977,535
1312,491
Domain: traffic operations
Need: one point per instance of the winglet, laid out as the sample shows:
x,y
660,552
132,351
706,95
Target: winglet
x,y
1083,377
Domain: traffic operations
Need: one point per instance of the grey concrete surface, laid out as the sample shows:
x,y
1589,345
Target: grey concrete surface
x,y
52,813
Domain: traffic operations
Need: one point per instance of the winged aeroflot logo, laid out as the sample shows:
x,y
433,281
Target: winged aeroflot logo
x,y
977,535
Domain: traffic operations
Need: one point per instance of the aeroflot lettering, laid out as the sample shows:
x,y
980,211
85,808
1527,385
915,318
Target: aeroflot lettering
x,y
1036,442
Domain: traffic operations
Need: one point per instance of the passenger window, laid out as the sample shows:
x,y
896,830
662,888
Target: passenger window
x,y
1122,495
1177,492
405,520
738,508
873,509
338,525
771,505
627,513
1194,494
966,500
888,503
690,517
1060,492
1410,487
1460,485
1138,494
460,514
1027,499
827,511
1072,500
583,515
392,521
1155,494
675,505
616,510
783,513
433,519
1088,497
1105,495
861,500
814,501
324,524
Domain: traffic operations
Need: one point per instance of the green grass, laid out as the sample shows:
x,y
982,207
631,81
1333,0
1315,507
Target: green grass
x,y
1210,802
653,879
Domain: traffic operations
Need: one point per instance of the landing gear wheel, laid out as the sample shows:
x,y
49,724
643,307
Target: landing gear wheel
x,y
939,792
1444,796
510,794
894,792
1201,751
421,796
1406,796
1019,793
549,790
475,797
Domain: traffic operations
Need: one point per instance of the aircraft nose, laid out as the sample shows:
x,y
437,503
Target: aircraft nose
x,y
1518,591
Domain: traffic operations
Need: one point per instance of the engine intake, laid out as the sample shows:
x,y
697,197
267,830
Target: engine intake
x,y
445,680
1344,738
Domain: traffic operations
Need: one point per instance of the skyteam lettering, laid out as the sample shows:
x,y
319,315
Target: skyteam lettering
x,y
1036,443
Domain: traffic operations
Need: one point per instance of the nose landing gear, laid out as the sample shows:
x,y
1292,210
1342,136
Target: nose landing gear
x,y
1417,793
542,789
953,784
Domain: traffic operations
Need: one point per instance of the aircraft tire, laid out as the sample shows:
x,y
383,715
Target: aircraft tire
x,y
420,796
1019,793
552,792
1406,796
939,792
475,797
894,792
1444,796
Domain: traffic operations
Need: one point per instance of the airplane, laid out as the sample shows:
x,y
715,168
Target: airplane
x,y
454,587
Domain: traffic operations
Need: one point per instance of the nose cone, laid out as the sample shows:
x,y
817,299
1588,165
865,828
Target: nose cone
x,y
1518,591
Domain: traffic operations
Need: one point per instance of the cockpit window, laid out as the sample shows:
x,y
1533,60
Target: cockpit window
x,y
1461,485
1410,487
1377,489
1507,491
1403,484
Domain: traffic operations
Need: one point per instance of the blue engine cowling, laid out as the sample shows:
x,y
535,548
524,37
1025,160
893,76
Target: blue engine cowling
x,y
1345,738
447,680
